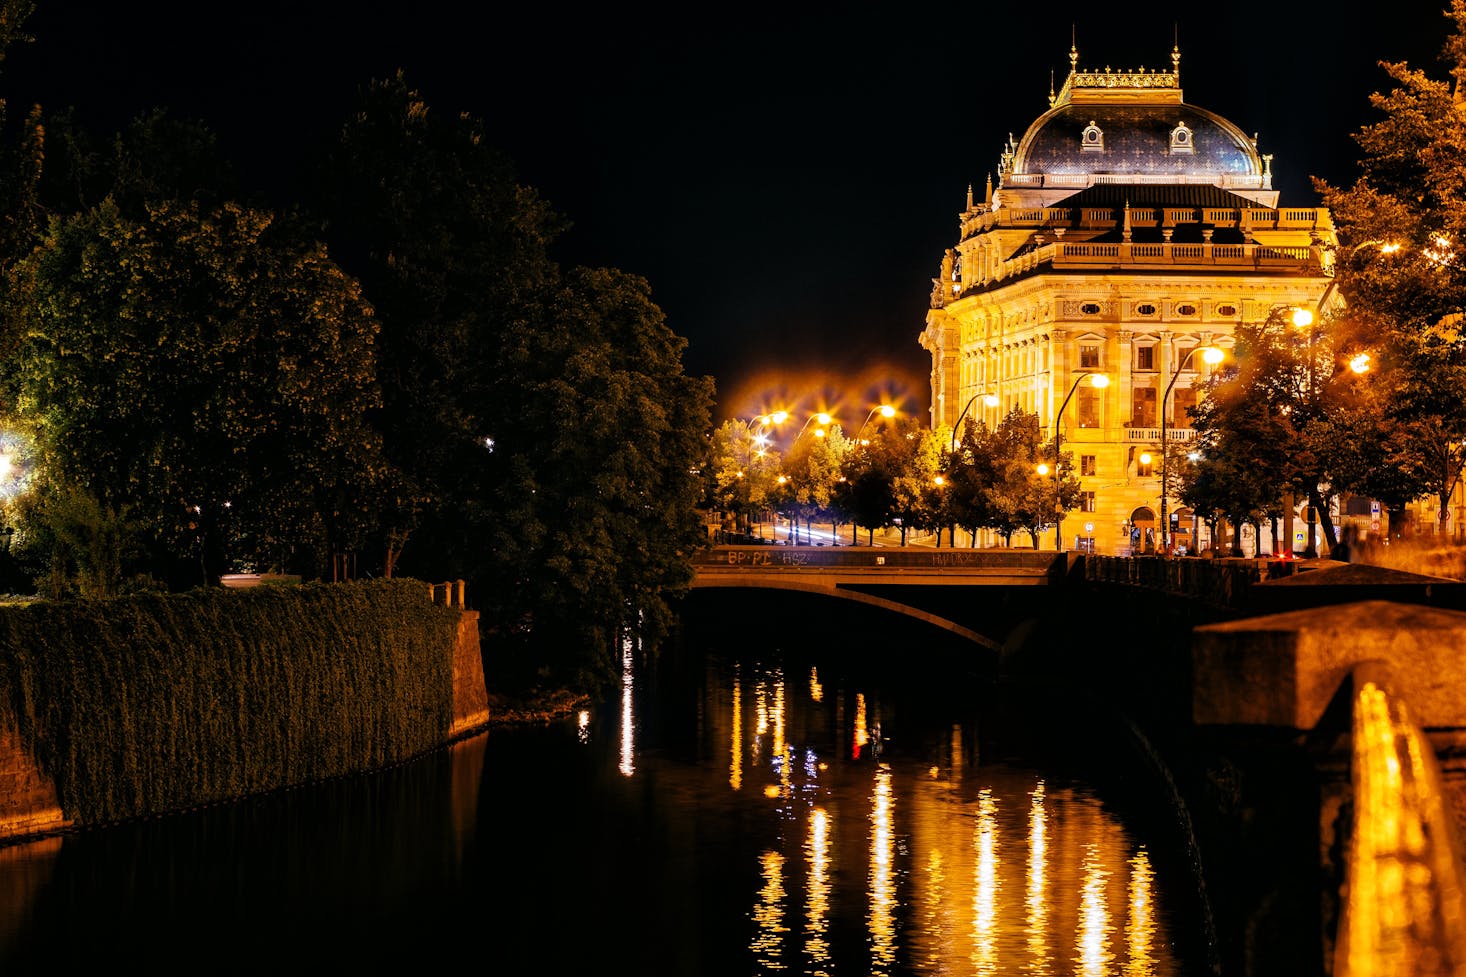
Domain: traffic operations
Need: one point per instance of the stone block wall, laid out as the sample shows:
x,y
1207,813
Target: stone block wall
x,y
28,802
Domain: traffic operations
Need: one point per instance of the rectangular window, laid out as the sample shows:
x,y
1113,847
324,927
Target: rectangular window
x,y
1145,357
1142,411
1086,464
1086,411
1089,357
1086,501
1181,399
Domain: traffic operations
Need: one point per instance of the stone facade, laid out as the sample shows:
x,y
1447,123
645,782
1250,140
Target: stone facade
x,y
1116,247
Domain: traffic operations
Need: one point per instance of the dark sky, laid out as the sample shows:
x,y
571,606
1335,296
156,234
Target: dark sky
x,y
786,179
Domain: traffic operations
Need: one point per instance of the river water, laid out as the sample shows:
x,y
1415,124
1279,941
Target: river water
x,y
760,799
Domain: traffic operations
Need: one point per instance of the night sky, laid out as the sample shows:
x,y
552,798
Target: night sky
x,y
786,179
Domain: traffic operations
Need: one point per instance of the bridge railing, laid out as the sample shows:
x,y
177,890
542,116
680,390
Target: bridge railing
x,y
1404,905
1222,582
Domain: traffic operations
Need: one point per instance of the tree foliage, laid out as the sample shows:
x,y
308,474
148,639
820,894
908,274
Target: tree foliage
x,y
196,363
1401,225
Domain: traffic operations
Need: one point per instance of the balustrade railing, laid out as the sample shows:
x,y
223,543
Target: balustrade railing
x,y
449,593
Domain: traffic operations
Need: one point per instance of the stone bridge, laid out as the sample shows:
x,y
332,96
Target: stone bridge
x,y
1299,715
917,582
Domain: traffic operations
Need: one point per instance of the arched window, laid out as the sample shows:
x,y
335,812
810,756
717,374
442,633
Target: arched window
x,y
1092,140
1181,139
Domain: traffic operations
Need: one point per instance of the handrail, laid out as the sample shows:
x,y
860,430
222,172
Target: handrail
x,y
1404,911
452,593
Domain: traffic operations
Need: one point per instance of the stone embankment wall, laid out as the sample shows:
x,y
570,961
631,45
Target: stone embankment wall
x,y
31,806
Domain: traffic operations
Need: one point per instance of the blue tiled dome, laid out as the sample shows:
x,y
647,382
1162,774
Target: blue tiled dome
x,y
1134,139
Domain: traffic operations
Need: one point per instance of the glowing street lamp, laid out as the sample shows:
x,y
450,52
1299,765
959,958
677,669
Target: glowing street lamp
x,y
885,410
1210,355
1099,381
989,398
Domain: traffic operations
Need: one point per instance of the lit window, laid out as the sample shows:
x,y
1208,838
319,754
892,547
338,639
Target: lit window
x,y
1145,357
1086,501
1087,467
1089,357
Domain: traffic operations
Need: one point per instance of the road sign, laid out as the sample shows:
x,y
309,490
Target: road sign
x,y
1374,509
1089,529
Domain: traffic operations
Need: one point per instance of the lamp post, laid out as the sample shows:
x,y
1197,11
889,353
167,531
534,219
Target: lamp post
x,y
1211,355
990,399
1099,381
885,410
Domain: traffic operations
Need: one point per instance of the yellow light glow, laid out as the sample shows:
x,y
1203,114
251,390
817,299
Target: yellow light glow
x,y
1360,363
985,884
1389,248
783,479
1212,355
768,914
881,895
1042,468
1302,318
819,432
886,410
939,481
990,399
779,416
822,417
735,749
818,885
1145,457
1099,381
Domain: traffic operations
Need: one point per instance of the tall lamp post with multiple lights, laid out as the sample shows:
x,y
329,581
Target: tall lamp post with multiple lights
x,y
1210,355
1099,381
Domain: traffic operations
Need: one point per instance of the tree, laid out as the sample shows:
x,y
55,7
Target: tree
x,y
742,470
453,255
1019,497
197,362
1399,271
593,480
544,416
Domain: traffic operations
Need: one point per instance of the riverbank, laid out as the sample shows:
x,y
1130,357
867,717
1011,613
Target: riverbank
x,y
535,706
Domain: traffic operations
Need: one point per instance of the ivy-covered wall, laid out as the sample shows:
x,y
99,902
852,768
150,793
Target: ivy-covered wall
x,y
146,704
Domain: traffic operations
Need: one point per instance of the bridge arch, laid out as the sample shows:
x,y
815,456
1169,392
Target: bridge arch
x,y
869,600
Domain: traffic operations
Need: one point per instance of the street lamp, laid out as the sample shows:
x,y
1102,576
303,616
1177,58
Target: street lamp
x,y
1099,381
990,399
1211,355
885,410
824,420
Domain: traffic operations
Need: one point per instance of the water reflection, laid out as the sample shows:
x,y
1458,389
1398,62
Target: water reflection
x,y
1016,875
716,815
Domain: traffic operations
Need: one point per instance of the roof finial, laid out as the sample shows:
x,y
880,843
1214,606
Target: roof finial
x,y
1176,55
1051,88
1073,50
988,199
969,198
1125,228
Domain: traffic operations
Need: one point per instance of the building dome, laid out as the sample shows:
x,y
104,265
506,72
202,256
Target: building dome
x,y
1130,127
1135,139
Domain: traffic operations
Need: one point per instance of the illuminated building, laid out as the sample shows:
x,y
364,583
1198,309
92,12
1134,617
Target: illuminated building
x,y
1127,228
